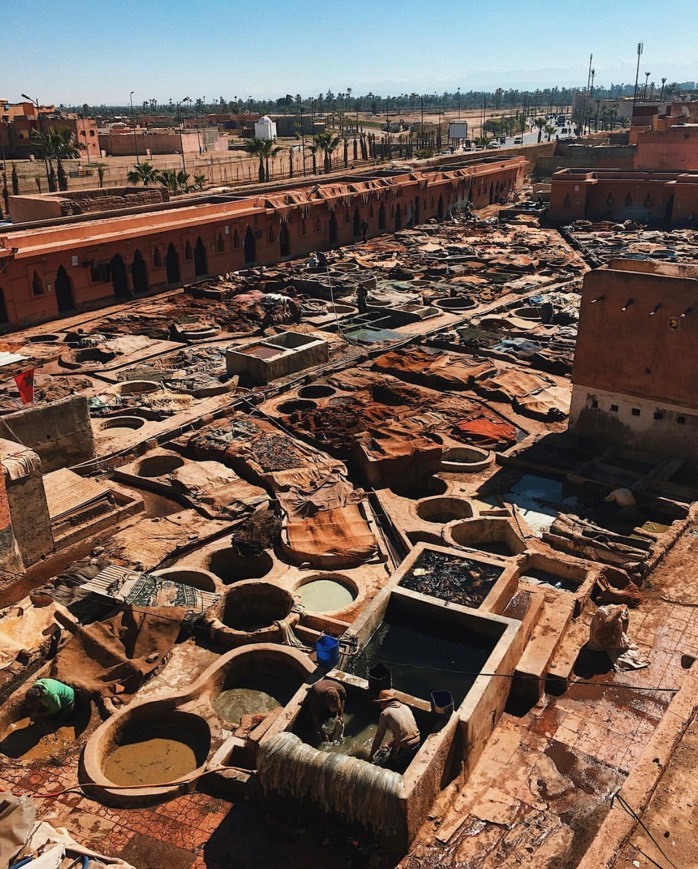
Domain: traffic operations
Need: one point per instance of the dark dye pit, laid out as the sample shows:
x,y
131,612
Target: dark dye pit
x,y
424,659
543,577
449,577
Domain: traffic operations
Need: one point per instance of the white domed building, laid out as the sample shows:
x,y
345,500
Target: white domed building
x,y
265,128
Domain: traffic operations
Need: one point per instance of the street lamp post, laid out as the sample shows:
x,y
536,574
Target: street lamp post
x,y
181,140
300,116
133,121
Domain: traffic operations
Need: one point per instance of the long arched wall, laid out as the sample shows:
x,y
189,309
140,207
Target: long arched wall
x,y
222,227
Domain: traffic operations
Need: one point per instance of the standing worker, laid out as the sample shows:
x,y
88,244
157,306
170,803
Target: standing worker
x,y
48,698
364,230
362,298
399,720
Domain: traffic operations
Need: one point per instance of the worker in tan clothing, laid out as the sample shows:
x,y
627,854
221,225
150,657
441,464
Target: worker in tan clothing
x,y
399,720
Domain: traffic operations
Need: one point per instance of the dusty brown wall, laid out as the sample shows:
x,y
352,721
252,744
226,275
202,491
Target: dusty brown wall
x,y
631,352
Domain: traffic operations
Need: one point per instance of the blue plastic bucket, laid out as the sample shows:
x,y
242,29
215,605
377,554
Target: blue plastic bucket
x,y
327,650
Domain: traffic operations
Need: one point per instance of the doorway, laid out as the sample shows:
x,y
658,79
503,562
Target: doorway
x,y
172,266
139,273
250,247
119,278
284,240
64,291
200,265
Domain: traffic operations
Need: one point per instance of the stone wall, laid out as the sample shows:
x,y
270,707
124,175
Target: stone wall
x,y
60,432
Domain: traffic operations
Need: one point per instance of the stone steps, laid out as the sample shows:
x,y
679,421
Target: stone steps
x,y
533,666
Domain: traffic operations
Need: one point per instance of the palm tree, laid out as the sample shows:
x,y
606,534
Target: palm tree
x,y
256,147
540,123
175,182
64,148
328,143
43,143
549,130
143,173
100,167
199,181
270,150
313,153
183,185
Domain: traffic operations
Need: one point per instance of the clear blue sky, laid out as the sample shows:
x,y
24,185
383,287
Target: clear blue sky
x,y
97,51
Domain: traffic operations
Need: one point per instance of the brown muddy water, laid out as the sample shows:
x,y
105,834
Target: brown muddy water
x,y
37,741
158,758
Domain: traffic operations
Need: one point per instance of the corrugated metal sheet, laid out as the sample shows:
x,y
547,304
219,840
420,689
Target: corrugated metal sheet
x,y
67,492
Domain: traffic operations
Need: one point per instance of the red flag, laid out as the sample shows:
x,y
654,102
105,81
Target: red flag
x,y
25,384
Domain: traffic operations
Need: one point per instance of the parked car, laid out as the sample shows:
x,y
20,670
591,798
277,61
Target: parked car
x,y
518,140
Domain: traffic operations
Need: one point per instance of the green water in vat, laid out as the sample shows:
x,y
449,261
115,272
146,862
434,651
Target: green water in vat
x,y
325,595
258,695
360,727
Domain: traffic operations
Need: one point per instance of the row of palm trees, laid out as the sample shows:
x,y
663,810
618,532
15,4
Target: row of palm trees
x,y
325,143
175,182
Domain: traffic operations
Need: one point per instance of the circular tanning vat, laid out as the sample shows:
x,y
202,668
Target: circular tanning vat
x,y
194,333
466,459
431,486
327,593
159,465
527,313
43,339
248,614
138,387
454,303
257,681
230,567
298,405
317,390
86,356
122,424
146,753
345,267
192,576
442,510
493,535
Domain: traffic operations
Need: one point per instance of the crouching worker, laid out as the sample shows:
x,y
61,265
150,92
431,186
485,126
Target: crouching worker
x,y
326,699
399,720
49,698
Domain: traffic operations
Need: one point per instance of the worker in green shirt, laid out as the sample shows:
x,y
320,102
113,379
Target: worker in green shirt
x,y
49,697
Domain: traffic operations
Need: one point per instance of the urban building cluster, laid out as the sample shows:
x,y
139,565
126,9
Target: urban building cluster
x,y
354,515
